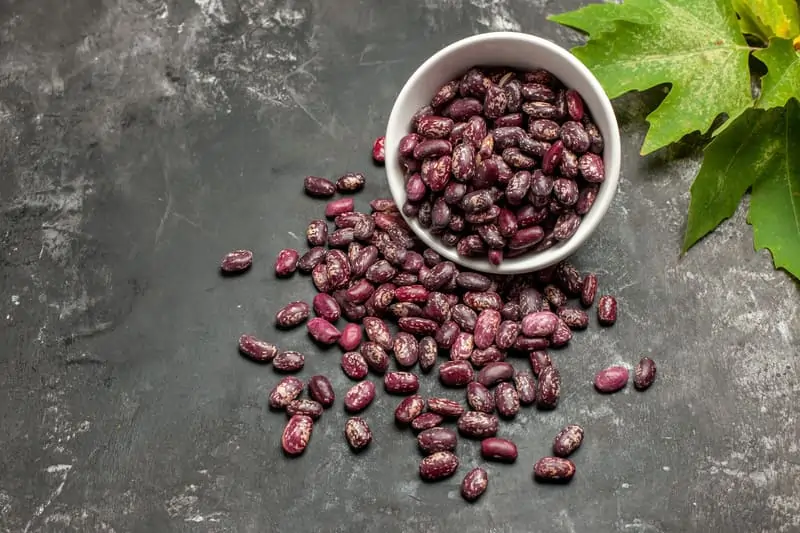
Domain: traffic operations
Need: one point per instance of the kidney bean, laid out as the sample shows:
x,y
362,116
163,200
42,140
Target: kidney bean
x,y
517,187
323,331
357,433
538,93
452,195
455,373
573,318
512,120
544,130
256,349
411,293
296,434
611,379
400,383
574,105
473,281
439,275
326,307
586,199
305,407
491,354
474,484
437,439
447,334
354,182
568,440
480,301
477,425
495,102
446,93
318,187
475,131
553,469
592,168
504,138
555,296
511,311
321,391
464,317
418,326
424,111
575,137
480,398
463,108
236,261
383,205
380,272
409,409
486,327
477,201
607,310
405,279
473,83
408,143
341,238
438,307
516,159
375,356
437,466
404,309
565,191
539,324
462,346
353,312
426,421
497,449
416,191
288,362
359,396
383,296
406,349
526,387
490,215
338,207
548,388
494,373
532,146
433,127
507,333
645,374
317,233
540,360
365,259
566,226
432,149
595,138
354,365
526,238
552,158
292,314
427,353
311,258
538,110
588,290
506,399
284,392
524,344
561,336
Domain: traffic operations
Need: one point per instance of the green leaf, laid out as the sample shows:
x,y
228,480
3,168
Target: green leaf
x,y
731,164
768,18
694,46
775,200
782,81
598,18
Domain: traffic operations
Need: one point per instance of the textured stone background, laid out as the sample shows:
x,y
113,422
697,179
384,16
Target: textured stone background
x,y
140,140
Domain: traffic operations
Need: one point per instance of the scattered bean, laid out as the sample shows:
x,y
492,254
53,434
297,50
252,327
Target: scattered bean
x,y
357,433
236,261
474,484
644,374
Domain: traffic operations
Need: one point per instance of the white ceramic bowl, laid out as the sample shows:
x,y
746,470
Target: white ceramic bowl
x,y
522,51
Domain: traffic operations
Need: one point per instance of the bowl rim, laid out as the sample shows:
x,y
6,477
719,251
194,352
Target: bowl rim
x,y
531,261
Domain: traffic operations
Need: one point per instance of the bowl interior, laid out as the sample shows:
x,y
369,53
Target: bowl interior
x,y
525,52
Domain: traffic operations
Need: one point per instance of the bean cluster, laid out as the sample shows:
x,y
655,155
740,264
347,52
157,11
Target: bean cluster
x,y
502,163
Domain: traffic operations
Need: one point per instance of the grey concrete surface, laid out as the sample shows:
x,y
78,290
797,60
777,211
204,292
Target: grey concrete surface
x,y
140,140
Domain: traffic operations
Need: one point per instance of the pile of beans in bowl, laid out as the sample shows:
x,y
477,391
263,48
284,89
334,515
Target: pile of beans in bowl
x,y
502,163
399,312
